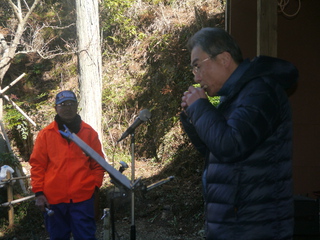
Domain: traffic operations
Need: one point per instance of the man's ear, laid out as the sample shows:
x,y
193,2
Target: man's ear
x,y
226,59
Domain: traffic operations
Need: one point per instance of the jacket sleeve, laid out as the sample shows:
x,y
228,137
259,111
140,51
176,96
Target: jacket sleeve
x,y
192,133
38,161
250,118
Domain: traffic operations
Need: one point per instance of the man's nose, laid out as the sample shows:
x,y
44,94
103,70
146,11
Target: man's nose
x,y
197,78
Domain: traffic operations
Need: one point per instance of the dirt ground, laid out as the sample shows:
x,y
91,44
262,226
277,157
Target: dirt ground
x,y
146,230
172,211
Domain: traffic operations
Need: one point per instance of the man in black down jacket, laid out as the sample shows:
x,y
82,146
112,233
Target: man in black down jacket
x,y
246,140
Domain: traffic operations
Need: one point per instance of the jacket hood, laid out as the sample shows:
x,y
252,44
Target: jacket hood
x,y
284,72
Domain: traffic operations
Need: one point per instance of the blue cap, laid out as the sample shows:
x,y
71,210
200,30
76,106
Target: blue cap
x,y
65,96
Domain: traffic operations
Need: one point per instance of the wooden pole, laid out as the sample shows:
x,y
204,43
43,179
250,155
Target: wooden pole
x,y
267,20
106,224
10,199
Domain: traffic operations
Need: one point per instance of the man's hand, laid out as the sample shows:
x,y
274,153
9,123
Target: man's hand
x,y
192,95
42,202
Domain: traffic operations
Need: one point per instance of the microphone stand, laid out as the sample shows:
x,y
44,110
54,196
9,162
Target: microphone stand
x,y
116,176
133,227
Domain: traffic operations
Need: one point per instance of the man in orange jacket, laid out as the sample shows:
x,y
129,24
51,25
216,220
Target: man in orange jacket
x,y
63,177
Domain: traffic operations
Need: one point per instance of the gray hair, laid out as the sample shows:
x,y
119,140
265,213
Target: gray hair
x,y
215,41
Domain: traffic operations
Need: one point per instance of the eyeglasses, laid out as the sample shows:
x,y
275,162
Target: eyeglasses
x,y
64,104
196,68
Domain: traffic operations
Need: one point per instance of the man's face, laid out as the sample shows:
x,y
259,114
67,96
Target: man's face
x,y
210,72
67,110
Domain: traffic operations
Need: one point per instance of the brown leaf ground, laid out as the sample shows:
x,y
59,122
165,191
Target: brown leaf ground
x,y
171,211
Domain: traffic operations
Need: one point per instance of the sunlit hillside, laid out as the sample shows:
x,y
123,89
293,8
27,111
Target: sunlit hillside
x,y
145,66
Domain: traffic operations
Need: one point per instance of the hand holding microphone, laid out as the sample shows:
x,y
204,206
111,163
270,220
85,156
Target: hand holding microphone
x,y
42,203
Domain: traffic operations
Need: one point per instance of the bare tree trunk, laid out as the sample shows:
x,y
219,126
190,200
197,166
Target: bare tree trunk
x,y
90,62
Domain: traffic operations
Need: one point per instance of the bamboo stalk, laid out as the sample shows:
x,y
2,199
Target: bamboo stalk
x,y
10,199
4,181
12,83
6,204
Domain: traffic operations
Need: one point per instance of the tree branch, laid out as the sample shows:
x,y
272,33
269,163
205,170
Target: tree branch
x,y
16,10
35,3
26,4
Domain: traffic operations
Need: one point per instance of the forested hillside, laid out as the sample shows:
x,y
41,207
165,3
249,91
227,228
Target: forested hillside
x,y
145,66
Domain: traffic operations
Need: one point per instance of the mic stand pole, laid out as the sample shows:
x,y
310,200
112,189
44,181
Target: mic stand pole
x,y
133,227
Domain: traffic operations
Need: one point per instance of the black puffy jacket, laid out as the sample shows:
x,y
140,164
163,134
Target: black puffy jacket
x,y
247,141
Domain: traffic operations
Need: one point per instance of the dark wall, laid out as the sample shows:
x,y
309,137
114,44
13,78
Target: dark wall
x,y
299,43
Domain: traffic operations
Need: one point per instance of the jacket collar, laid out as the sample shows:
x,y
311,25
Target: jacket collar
x,y
233,80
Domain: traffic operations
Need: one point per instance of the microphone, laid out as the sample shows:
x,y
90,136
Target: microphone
x,y
144,115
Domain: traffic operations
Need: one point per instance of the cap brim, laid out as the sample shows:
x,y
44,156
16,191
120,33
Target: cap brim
x,y
65,99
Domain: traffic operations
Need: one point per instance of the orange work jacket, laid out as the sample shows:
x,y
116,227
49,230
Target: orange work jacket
x,y
61,170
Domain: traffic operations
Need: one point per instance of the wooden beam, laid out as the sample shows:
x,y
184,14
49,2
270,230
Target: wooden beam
x,y
267,20
10,199
227,16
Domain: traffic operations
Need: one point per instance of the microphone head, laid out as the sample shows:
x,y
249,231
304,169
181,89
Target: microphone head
x,y
145,115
